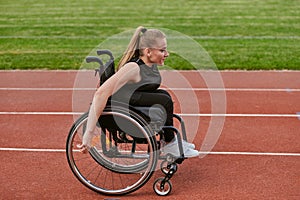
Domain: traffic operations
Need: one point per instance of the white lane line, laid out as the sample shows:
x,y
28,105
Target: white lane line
x,y
173,89
201,152
239,115
181,114
251,153
32,150
241,89
41,113
48,89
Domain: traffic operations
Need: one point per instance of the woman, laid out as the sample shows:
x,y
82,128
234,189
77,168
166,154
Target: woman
x,y
136,82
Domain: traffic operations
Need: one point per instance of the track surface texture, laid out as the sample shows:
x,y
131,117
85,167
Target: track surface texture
x,y
256,156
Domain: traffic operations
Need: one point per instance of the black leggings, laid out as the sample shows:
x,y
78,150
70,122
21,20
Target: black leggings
x,y
161,97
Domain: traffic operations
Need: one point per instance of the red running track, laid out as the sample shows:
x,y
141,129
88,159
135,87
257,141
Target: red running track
x,y
262,116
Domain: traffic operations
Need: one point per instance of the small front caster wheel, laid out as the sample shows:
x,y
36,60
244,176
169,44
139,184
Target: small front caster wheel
x,y
165,167
162,187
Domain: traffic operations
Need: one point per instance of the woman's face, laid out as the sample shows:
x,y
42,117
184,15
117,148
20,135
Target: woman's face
x,y
159,53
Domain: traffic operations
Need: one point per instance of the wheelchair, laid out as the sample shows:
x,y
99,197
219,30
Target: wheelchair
x,y
126,146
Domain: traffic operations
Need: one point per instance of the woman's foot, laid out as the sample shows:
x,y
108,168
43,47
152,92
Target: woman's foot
x,y
188,145
184,143
188,149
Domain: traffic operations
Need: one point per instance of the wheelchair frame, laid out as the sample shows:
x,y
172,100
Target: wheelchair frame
x,y
126,147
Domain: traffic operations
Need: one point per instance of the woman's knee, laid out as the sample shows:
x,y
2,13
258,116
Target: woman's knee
x,y
161,91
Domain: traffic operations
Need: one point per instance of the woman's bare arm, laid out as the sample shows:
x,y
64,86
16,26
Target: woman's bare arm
x,y
128,73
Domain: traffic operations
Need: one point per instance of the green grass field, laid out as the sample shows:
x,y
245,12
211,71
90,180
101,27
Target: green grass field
x,y
237,34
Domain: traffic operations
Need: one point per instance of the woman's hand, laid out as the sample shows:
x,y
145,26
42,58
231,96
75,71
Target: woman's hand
x,y
83,148
86,142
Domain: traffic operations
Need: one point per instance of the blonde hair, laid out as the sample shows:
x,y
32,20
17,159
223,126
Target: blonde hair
x,y
141,39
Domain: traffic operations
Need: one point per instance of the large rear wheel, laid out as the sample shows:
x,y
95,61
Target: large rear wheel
x,y
121,160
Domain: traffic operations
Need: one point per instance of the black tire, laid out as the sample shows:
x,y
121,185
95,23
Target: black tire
x,y
162,189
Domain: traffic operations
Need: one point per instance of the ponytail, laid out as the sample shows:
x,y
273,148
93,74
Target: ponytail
x,y
141,39
132,48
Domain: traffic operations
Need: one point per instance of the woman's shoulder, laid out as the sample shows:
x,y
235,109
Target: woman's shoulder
x,y
130,71
130,66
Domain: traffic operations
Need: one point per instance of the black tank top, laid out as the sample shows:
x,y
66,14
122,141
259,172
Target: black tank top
x,y
150,77
150,81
